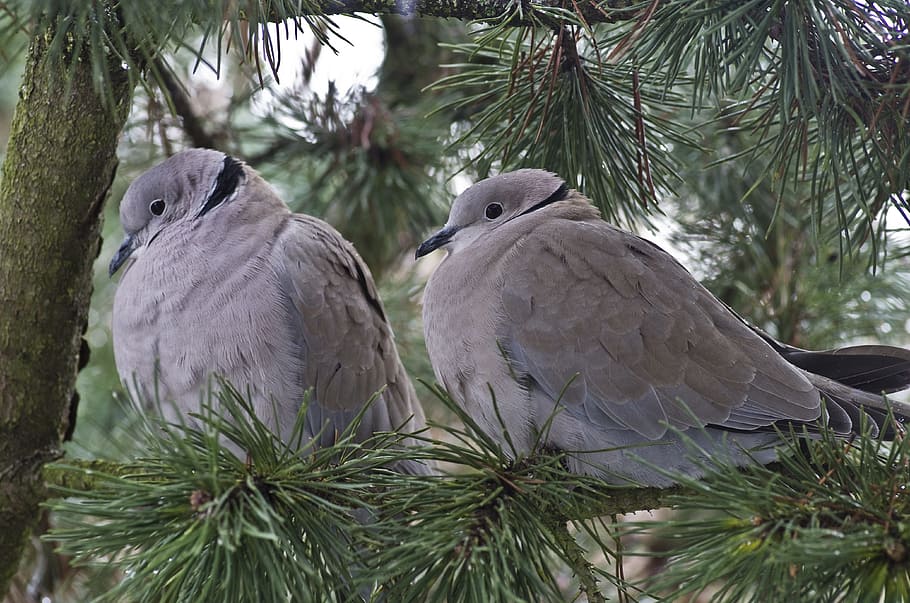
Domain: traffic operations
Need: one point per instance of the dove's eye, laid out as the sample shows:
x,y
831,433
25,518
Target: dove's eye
x,y
157,207
493,211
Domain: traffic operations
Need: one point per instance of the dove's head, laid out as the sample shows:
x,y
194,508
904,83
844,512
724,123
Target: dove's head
x,y
182,190
490,203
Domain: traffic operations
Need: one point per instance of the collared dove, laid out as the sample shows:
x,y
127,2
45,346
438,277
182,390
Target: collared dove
x,y
598,343
225,280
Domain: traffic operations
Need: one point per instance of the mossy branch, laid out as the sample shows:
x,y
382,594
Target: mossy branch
x,y
484,10
578,562
75,475
335,520
82,475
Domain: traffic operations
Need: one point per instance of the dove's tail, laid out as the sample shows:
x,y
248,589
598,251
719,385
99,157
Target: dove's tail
x,y
876,369
856,379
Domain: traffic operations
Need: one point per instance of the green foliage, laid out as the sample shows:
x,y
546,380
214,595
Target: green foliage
x,y
822,85
831,522
275,525
819,85
757,249
492,531
138,34
535,98
323,524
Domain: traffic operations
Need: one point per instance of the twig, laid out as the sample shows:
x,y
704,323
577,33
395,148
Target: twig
x,y
192,124
575,555
81,474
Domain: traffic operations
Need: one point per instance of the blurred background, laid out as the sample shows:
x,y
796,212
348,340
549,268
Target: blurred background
x,y
356,135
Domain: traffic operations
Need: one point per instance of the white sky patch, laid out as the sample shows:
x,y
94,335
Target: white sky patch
x,y
353,65
350,66
896,219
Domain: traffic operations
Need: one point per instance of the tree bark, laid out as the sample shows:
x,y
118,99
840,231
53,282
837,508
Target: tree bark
x,y
57,174
591,11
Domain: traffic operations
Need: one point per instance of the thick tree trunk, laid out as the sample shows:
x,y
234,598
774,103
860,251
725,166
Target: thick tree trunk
x,y
58,170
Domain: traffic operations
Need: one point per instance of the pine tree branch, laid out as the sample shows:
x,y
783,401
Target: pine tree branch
x,y
496,528
619,501
192,123
593,12
579,563
79,475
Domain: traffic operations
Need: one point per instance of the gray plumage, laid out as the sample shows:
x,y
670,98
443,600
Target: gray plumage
x,y
592,339
227,281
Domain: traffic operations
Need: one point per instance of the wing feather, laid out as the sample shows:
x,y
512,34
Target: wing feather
x,y
651,346
350,349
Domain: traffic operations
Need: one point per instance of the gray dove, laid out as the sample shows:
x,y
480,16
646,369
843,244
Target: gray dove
x,y
224,280
596,342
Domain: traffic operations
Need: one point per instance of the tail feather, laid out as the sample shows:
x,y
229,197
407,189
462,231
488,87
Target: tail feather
x,y
875,369
856,379
853,381
856,403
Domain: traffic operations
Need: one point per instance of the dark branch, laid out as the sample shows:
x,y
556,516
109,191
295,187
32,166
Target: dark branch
x,y
75,474
484,10
80,474
191,123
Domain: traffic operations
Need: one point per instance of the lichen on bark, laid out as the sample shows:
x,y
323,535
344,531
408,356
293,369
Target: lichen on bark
x,y
56,176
